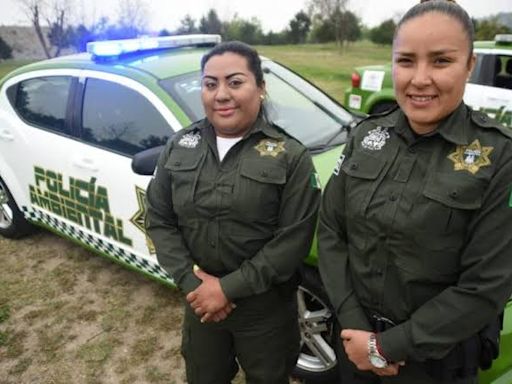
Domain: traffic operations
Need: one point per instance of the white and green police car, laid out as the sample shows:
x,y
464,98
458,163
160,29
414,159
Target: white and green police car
x,y
488,89
72,128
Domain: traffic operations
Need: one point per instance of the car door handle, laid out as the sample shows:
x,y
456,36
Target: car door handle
x,y
85,163
6,135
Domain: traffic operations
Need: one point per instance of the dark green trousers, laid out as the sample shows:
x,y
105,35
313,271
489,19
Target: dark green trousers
x,y
261,335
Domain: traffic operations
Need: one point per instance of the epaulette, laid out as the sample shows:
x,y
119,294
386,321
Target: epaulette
x,y
485,121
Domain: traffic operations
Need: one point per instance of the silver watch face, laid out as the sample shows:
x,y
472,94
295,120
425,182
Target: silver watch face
x,y
378,361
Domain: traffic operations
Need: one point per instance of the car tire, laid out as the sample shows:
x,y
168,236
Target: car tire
x,y
317,359
12,222
382,107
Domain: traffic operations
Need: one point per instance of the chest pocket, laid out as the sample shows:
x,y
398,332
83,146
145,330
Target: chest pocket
x,y
257,194
445,208
363,170
184,167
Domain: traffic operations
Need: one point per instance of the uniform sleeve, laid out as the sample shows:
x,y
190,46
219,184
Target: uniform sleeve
x,y
483,288
279,259
161,225
333,253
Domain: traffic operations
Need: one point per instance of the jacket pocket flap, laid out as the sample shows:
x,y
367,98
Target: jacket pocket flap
x,y
363,166
456,190
182,160
263,171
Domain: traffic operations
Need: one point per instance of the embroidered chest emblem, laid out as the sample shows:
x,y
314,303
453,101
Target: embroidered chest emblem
x,y
375,139
190,140
267,147
470,157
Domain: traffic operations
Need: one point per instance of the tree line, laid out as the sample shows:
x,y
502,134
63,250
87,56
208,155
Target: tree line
x,y
322,21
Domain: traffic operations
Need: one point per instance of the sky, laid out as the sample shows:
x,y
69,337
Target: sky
x,y
273,14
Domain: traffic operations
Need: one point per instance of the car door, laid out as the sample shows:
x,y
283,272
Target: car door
x,y
118,117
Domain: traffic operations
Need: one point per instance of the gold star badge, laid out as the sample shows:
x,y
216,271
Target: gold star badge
x,y
471,157
138,218
268,147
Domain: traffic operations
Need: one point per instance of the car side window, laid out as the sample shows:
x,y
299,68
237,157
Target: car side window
x,y
43,101
121,119
504,74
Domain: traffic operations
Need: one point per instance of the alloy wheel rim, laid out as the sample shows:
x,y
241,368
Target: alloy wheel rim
x,y
6,214
315,322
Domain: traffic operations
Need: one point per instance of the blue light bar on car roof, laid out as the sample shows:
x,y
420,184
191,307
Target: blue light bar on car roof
x,y
113,48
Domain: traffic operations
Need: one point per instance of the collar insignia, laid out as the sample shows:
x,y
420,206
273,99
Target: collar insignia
x,y
190,140
375,139
470,157
268,147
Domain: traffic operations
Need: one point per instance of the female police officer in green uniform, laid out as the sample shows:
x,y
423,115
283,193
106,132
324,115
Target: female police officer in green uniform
x,y
416,221
232,211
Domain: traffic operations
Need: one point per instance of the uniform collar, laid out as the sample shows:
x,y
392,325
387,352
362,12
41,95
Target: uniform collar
x,y
260,125
454,128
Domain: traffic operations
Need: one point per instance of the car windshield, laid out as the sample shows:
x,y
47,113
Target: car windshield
x,y
293,104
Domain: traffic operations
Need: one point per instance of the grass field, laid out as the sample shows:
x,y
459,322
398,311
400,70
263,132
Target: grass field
x,y
327,66
69,316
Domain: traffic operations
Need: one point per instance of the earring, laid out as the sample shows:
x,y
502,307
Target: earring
x,y
262,97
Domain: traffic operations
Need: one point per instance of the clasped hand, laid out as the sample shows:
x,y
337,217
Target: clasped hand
x,y
355,343
208,300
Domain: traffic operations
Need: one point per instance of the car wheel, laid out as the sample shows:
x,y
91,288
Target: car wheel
x,y
382,107
317,360
12,223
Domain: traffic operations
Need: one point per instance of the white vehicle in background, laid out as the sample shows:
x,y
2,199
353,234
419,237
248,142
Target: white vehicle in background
x,y
489,88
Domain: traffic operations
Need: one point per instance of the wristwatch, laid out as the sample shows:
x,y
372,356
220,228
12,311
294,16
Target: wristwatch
x,y
375,358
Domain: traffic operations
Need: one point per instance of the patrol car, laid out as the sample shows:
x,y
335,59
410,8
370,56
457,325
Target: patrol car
x,y
489,88
79,138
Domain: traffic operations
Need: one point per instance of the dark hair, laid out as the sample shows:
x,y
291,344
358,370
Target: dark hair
x,y
447,7
242,49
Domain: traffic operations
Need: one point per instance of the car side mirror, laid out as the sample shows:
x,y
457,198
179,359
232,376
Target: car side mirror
x,y
144,163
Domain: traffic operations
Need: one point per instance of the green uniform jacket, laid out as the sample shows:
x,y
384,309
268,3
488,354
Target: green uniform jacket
x,y
419,230
248,220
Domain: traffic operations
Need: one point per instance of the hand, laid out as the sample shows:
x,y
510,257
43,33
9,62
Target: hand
x,y
355,343
209,298
219,315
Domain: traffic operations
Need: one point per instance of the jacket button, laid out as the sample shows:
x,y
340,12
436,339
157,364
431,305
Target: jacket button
x,y
453,194
392,197
177,163
212,244
353,166
411,150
